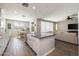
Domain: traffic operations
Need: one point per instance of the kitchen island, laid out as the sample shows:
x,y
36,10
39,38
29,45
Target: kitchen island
x,y
42,44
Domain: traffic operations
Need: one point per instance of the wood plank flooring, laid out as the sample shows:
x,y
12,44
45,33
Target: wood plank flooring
x,y
64,49
17,47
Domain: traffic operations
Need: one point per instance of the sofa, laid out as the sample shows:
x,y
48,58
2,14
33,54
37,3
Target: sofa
x,y
67,36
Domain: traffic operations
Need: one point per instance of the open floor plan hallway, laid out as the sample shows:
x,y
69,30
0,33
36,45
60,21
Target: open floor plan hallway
x,y
17,47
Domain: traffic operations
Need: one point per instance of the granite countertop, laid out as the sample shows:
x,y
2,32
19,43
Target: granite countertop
x,y
43,35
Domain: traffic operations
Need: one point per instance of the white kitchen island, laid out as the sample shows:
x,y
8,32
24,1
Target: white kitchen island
x,y
42,45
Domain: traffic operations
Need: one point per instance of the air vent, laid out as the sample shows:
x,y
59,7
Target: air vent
x,y
25,4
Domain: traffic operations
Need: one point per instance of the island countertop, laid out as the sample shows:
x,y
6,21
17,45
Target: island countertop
x,y
43,35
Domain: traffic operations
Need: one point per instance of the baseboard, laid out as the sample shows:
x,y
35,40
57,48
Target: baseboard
x,y
48,52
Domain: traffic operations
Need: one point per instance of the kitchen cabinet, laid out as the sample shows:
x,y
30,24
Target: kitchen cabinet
x,y
33,43
41,46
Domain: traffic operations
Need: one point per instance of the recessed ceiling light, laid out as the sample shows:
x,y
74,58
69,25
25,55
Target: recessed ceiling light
x,y
34,7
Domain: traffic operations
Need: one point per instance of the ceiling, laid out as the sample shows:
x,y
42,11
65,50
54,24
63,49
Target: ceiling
x,y
49,11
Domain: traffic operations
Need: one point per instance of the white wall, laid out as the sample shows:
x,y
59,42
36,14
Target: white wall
x,y
63,25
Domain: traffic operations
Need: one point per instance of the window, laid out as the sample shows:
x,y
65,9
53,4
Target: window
x,y
1,23
43,25
46,26
56,27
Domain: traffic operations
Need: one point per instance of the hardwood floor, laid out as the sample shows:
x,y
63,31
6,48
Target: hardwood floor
x,y
64,49
17,47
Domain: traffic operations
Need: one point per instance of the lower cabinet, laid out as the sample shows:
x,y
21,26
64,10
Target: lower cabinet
x,y
36,45
41,46
33,43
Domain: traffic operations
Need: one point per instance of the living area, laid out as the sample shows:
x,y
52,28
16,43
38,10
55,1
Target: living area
x,y
67,33
68,29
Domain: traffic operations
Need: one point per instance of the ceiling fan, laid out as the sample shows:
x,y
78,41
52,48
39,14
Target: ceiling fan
x,y
74,16
69,18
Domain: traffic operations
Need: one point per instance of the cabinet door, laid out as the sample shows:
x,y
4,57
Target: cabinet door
x,y
33,43
29,40
36,45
